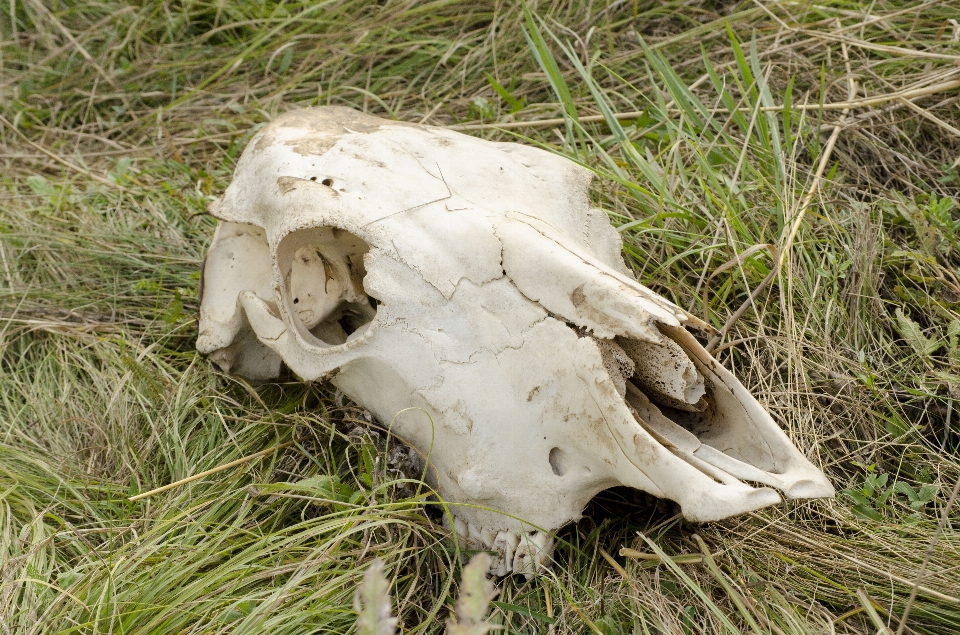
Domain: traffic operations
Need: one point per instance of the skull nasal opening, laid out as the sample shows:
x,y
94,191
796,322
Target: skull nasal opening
x,y
322,269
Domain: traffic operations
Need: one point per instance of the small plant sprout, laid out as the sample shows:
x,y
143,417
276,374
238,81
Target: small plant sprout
x,y
871,500
916,498
912,333
871,497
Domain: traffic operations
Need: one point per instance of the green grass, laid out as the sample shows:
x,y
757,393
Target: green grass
x,y
129,118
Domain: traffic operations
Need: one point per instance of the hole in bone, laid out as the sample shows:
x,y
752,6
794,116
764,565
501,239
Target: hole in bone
x,y
556,458
328,182
350,322
323,273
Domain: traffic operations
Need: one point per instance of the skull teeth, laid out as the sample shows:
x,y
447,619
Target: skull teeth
x,y
524,552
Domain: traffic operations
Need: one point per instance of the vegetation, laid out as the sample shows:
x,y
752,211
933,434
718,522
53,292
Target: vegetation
x,y
803,154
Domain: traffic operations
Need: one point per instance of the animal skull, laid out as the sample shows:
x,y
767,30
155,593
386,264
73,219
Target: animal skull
x,y
466,294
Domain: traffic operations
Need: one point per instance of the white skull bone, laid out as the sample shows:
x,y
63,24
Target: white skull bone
x,y
465,293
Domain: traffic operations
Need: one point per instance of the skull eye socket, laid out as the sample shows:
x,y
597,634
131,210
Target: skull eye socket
x,y
323,275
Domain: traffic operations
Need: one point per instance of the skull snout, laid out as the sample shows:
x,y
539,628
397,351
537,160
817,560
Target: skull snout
x,y
699,421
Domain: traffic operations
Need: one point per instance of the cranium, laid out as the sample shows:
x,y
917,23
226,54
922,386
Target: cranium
x,y
468,296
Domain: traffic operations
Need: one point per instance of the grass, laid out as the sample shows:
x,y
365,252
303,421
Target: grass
x,y
737,173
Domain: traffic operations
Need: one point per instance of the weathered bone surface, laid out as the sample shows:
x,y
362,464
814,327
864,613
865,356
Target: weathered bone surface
x,y
467,294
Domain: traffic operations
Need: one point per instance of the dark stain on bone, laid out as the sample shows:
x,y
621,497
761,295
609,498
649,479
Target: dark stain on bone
x,y
322,127
328,272
645,450
533,393
577,296
287,184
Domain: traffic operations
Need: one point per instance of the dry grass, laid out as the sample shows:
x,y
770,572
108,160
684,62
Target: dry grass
x,y
829,131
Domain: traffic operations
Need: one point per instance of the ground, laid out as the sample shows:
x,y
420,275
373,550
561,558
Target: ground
x,y
804,155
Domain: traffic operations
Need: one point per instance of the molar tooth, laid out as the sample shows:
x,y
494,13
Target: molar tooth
x,y
488,537
475,540
533,553
506,544
460,527
522,562
544,551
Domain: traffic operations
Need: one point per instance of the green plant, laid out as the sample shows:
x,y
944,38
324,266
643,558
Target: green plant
x,y
871,497
917,499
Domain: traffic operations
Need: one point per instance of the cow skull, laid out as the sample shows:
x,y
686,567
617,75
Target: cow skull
x,y
467,295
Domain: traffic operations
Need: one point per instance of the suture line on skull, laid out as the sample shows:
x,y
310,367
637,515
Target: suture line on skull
x,y
410,209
